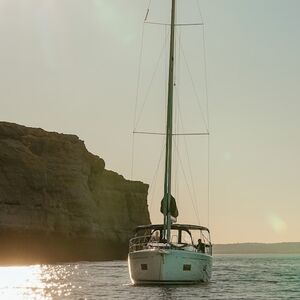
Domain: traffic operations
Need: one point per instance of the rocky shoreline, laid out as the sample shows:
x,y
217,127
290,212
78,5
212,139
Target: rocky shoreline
x,y
59,203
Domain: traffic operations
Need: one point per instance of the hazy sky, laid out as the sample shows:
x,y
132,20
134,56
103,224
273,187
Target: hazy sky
x,y
71,66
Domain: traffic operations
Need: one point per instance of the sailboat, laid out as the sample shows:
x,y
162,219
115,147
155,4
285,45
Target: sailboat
x,y
170,253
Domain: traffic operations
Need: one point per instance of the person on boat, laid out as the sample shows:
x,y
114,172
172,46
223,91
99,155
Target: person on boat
x,y
155,237
201,246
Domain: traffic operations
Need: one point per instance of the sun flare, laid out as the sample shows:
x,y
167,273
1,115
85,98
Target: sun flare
x,y
277,223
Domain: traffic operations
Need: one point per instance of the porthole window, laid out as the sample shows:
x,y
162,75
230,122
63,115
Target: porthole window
x,y
187,267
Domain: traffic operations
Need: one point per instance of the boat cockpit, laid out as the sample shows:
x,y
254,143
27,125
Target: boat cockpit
x,y
183,237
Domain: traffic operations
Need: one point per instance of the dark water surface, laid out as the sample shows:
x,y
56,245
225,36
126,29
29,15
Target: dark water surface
x,y
234,277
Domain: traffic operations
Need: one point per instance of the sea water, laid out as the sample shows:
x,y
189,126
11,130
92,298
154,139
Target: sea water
x,y
234,277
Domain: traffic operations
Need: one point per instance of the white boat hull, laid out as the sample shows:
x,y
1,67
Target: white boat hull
x,y
169,266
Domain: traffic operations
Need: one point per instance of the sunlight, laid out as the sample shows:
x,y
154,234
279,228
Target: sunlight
x,y
277,223
20,282
36,282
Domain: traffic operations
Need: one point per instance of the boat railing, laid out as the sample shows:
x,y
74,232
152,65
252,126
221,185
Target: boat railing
x,y
208,248
150,242
143,242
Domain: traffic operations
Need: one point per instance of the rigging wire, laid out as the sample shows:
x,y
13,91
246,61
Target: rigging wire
x,y
205,65
153,185
187,184
137,95
174,134
137,116
208,124
194,87
206,121
150,85
138,88
148,10
189,163
208,182
178,24
179,163
208,117
199,10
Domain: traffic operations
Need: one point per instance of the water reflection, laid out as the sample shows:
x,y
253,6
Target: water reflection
x,y
37,282
20,282
166,293
239,277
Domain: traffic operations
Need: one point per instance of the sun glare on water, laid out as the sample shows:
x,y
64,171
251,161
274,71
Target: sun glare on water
x,y
35,282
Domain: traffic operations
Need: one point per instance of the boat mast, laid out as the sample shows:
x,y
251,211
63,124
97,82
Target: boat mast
x,y
169,131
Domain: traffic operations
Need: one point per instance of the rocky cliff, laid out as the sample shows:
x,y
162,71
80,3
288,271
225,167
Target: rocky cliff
x,y
59,203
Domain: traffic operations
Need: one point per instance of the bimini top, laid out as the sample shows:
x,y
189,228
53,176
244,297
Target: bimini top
x,y
174,226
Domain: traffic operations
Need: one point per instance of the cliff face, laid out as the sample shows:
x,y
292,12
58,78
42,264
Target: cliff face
x,y
59,203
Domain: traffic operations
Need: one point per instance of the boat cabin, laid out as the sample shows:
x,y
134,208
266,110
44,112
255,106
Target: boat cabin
x,y
186,237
